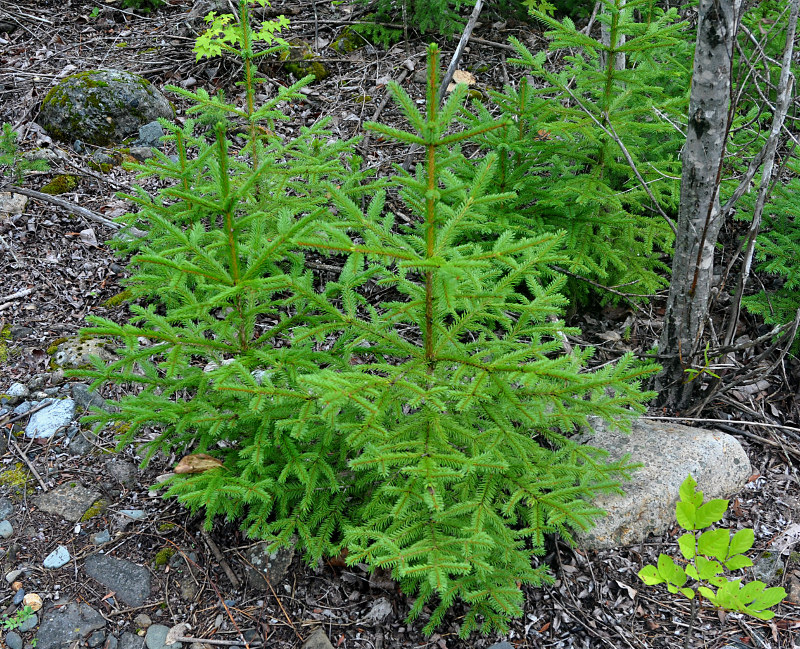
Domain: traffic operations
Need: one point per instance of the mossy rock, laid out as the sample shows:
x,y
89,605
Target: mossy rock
x,y
301,61
61,184
101,107
349,41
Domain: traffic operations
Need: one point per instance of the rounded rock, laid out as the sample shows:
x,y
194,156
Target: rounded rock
x,y
101,107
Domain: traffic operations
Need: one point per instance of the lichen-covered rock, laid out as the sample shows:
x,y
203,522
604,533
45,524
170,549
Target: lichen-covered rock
x,y
77,352
669,452
101,107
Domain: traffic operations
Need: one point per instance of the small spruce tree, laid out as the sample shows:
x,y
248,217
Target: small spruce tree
x,y
558,156
415,410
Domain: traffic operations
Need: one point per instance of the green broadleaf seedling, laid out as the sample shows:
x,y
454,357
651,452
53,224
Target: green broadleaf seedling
x,y
708,556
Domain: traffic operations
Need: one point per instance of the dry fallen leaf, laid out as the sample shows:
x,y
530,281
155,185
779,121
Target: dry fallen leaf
x,y
461,76
176,633
197,463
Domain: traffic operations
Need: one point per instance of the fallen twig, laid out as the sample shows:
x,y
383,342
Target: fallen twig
x,y
75,209
222,561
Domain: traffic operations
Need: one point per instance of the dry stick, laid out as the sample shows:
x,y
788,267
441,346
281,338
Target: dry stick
x,y
222,561
11,420
784,85
75,209
225,643
451,69
9,299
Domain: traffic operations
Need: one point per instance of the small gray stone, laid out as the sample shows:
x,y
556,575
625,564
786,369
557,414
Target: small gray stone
x,y
18,597
263,565
17,392
142,153
142,621
85,399
6,508
57,558
47,422
62,626
317,640
123,472
111,642
11,577
502,645
22,408
70,500
150,134
81,444
669,453
96,639
28,623
78,146
101,107
13,640
101,537
130,582
6,529
156,634
130,641
102,158
77,352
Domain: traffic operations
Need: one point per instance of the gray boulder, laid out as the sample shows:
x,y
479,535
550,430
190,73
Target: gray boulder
x,y
669,453
101,107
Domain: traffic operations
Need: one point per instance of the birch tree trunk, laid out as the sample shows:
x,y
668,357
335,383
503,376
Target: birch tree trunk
x,y
699,218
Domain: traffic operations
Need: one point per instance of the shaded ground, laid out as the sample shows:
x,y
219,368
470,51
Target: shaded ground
x,y
597,599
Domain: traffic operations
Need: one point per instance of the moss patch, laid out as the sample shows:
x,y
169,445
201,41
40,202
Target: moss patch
x,y
16,478
300,60
348,41
163,556
97,508
119,298
60,185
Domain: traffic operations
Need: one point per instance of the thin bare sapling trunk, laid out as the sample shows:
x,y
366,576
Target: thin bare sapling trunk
x,y
699,219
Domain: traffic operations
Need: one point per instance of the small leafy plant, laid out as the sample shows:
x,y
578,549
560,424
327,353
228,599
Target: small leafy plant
x,y
12,164
11,622
708,555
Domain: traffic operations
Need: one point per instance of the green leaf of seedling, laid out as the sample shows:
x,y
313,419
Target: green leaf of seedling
x,y
769,597
688,592
741,542
749,592
671,571
738,561
685,513
687,543
707,568
711,512
709,594
691,571
650,576
689,492
714,543
687,488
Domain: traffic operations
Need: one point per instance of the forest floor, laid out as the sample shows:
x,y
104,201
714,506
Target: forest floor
x,y
597,599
